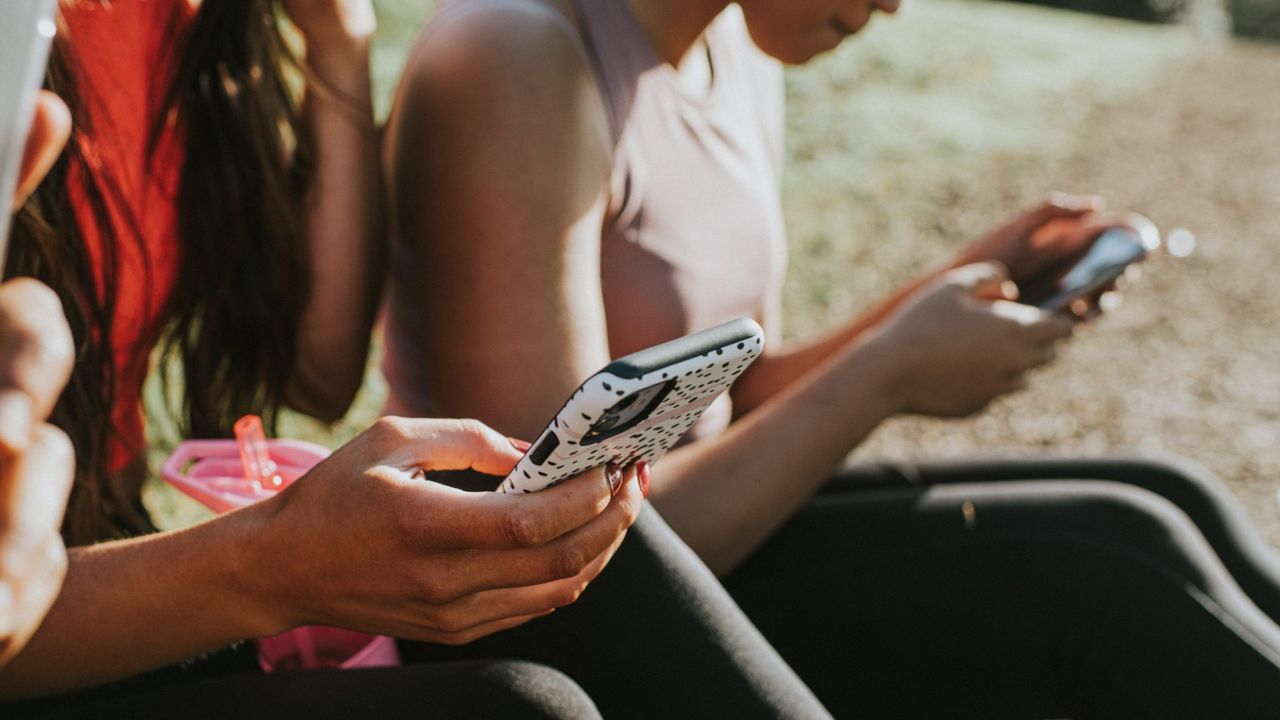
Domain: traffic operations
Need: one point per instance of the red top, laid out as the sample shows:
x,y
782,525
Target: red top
x,y
123,55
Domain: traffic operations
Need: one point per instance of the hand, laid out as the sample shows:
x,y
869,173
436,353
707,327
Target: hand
x,y
328,22
963,342
1041,244
1038,243
36,460
360,543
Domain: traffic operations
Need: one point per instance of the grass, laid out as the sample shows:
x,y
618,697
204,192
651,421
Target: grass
x,y
899,146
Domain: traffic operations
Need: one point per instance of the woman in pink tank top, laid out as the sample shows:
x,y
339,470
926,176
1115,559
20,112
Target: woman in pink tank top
x,y
573,180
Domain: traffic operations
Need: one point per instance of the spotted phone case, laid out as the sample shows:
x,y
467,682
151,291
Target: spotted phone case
x,y
688,373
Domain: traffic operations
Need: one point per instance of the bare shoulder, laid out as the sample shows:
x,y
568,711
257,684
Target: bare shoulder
x,y
502,45
498,125
510,78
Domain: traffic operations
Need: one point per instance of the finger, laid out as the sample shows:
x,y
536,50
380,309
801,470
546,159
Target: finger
x,y
490,606
1004,290
475,633
36,357
1057,205
1017,313
33,494
979,279
1039,356
564,557
29,588
1049,329
430,444
493,521
35,485
50,129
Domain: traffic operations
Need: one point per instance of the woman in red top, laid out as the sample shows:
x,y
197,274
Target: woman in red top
x,y
201,205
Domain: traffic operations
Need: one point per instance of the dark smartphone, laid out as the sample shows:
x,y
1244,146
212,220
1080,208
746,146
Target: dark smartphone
x,y
1107,259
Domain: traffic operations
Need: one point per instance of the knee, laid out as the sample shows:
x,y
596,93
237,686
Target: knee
x,y
1185,482
538,690
1141,523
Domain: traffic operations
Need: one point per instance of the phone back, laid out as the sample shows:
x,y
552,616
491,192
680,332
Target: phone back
x,y
638,406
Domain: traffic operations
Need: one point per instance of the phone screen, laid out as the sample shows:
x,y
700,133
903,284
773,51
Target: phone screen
x,y
25,33
1110,254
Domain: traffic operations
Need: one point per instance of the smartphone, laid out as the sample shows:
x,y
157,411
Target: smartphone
x,y
638,406
25,33
1107,259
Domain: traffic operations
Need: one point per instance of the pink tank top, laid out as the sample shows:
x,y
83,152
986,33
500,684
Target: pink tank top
x,y
694,234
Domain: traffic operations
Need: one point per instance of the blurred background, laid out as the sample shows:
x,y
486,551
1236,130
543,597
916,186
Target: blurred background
x,y
927,128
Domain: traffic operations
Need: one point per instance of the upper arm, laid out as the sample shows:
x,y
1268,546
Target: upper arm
x,y
499,160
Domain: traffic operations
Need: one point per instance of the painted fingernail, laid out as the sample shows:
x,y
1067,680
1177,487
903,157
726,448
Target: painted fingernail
x,y
16,419
520,445
642,474
613,476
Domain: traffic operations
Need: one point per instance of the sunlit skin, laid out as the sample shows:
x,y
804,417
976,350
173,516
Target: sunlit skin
x,y
518,198
370,545
36,460
795,32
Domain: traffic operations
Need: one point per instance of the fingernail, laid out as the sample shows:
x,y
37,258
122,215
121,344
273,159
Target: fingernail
x,y
16,418
520,445
613,476
1009,289
642,474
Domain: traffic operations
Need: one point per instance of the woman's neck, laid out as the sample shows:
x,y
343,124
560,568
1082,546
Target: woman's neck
x,y
675,26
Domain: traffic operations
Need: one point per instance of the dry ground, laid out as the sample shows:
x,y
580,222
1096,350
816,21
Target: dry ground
x,y
1190,363
925,130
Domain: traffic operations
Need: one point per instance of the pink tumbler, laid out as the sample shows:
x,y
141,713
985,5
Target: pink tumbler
x,y
228,474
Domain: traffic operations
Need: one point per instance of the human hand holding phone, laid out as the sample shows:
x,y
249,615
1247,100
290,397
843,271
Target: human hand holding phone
x,y
36,459
962,341
1036,242
374,547
37,462
1046,248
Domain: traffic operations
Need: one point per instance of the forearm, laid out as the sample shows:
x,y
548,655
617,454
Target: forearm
x,y
130,606
778,369
727,495
345,231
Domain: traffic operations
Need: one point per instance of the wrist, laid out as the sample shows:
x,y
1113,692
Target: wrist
x,y
259,604
886,372
344,56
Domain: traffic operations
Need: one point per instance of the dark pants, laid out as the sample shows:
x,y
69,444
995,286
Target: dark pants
x,y
654,637
1092,590
968,590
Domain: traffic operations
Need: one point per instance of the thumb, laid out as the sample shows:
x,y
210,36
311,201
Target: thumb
x,y
986,280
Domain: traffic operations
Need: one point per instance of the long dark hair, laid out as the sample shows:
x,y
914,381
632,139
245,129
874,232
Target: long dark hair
x,y
242,281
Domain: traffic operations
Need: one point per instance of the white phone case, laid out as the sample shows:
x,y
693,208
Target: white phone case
x,y
26,29
683,376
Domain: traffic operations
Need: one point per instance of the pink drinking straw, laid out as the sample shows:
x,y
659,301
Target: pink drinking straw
x,y
258,465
